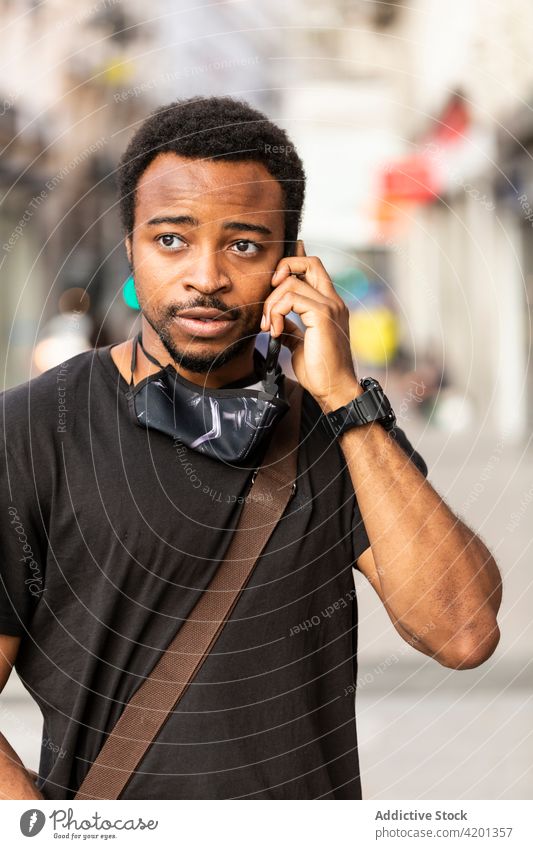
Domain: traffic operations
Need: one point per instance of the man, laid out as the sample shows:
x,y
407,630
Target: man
x,y
108,540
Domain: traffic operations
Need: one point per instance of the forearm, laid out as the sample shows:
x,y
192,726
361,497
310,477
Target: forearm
x,y
437,579
15,781
435,576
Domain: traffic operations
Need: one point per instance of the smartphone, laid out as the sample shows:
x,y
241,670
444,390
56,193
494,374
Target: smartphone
x,y
274,347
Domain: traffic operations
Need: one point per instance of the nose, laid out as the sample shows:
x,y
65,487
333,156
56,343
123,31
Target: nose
x,y
205,273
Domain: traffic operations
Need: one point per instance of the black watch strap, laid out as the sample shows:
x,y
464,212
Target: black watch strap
x,y
372,406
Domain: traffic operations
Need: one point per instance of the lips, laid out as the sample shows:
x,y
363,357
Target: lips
x,y
202,314
206,323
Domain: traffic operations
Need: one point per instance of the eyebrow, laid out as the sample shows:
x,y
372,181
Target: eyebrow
x,y
243,226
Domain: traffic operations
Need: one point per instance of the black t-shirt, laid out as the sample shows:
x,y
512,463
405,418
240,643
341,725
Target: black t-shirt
x,y
109,533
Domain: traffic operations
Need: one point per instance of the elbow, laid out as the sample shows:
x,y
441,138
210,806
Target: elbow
x,y
470,650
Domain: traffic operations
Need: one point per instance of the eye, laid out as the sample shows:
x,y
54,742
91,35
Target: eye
x,y
246,243
167,240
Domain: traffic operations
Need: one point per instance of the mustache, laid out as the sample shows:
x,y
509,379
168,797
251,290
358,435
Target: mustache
x,y
172,310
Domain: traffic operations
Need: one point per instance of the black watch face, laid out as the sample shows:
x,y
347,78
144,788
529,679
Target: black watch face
x,y
383,411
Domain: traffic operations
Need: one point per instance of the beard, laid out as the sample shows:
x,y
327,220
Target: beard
x,y
203,362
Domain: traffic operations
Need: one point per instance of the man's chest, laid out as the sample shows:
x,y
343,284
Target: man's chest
x,y
145,515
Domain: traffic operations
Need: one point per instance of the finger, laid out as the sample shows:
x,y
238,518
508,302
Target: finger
x,y
300,248
292,284
309,269
292,265
311,311
293,287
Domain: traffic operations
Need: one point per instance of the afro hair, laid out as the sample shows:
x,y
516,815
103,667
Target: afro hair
x,y
213,128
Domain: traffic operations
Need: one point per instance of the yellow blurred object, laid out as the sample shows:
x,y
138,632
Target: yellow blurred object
x,y
374,335
119,72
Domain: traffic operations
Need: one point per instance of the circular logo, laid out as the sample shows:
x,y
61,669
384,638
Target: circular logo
x,y
32,822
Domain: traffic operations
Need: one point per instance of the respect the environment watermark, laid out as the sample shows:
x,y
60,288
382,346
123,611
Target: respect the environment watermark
x,y
184,73
51,184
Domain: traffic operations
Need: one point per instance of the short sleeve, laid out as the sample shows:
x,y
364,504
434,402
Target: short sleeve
x,y
359,535
22,553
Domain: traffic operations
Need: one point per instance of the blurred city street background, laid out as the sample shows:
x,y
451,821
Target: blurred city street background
x,y
414,124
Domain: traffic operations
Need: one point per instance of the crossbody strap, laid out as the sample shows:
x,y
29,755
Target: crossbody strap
x,y
155,699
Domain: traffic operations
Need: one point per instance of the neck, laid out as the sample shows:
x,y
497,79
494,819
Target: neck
x,y
236,369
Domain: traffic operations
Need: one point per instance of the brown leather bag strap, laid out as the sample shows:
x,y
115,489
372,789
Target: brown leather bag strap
x,y
152,703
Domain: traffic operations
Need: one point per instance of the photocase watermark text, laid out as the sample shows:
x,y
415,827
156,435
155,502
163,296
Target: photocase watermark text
x,y
35,581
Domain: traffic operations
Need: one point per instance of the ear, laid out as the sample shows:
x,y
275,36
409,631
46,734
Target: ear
x,y
129,250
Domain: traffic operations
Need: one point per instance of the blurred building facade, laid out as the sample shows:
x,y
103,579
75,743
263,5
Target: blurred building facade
x,y
75,82
417,124
414,126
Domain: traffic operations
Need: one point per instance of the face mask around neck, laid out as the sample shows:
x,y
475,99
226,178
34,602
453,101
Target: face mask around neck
x,y
229,425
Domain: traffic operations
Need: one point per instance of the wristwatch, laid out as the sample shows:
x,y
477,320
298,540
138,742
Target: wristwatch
x,y
372,406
